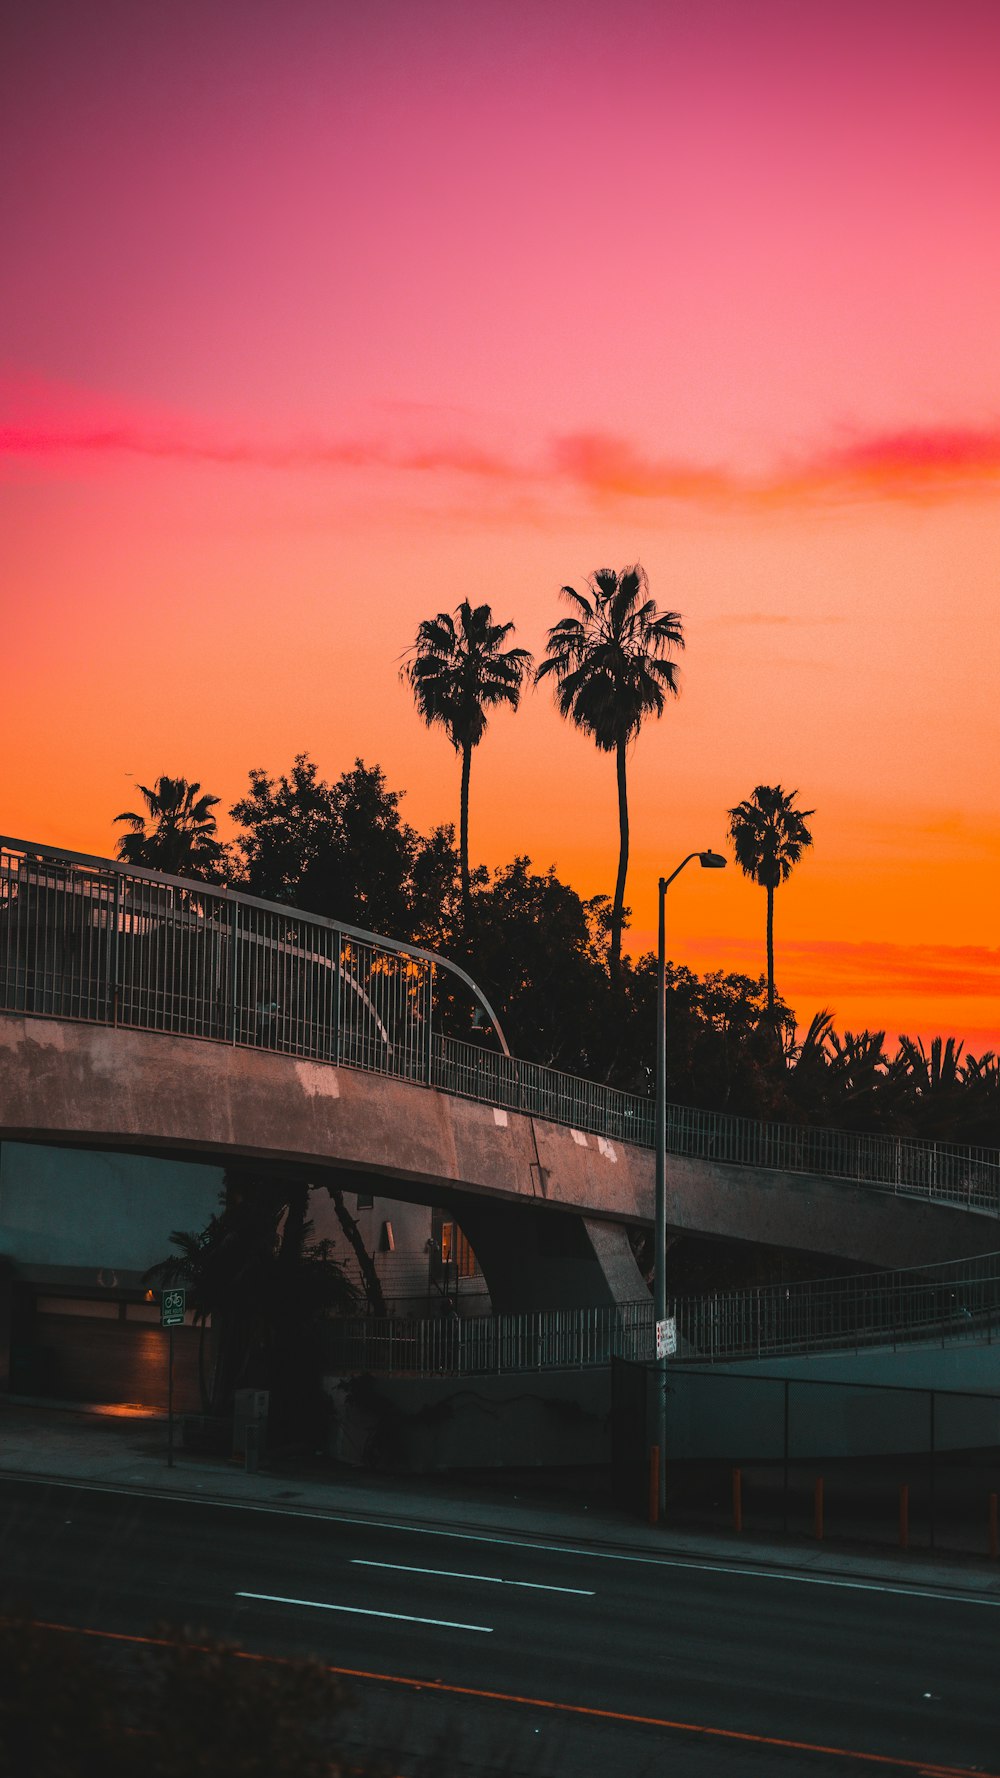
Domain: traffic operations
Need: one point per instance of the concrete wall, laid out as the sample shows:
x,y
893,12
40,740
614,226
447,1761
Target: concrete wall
x,y
168,1095
739,1413
962,1366
729,1413
560,1418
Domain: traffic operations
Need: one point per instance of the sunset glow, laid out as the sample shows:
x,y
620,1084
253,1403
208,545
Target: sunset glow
x,y
318,319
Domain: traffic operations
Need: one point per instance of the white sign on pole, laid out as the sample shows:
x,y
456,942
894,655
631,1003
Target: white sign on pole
x,y
666,1337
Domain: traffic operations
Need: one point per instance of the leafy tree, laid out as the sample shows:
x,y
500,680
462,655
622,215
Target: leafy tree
x,y
611,669
175,834
435,891
540,953
339,849
721,1054
457,673
769,836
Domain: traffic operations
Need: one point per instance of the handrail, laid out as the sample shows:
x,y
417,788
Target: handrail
x,y
225,892
958,1302
267,976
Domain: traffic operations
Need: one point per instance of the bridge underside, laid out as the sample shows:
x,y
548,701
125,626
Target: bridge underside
x,y
546,1208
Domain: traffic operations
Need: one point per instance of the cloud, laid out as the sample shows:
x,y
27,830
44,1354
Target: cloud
x,y
849,967
346,453
916,465
605,464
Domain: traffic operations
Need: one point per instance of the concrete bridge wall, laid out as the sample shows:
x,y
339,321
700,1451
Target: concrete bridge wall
x,y
544,1206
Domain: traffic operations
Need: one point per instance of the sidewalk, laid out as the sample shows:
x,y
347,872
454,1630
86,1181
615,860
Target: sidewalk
x,y
47,1441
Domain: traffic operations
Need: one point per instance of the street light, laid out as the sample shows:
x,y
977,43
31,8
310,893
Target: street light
x,y
708,861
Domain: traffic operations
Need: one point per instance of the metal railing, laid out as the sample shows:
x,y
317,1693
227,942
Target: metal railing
x,y
953,1173
945,1305
948,1304
90,939
548,1339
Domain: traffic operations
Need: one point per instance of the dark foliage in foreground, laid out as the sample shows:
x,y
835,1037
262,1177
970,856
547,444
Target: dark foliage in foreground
x,y
179,1706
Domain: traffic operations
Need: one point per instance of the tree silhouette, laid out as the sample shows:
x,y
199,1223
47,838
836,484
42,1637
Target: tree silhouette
x,y
266,1286
611,673
175,833
769,836
457,672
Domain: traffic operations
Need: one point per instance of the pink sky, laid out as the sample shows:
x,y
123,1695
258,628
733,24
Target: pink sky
x,y
319,318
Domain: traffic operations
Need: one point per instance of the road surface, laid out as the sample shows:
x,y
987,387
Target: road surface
x,y
500,1654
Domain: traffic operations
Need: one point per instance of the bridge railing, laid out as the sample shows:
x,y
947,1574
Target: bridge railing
x,y
957,1173
943,1305
93,940
101,943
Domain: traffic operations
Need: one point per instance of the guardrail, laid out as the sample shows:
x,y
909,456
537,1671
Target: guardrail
x,y
945,1304
89,939
957,1174
549,1339
950,1303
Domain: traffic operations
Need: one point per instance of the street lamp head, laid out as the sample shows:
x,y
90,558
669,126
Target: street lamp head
x,y
711,861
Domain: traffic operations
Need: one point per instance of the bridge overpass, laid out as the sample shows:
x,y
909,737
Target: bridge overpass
x,y
166,1017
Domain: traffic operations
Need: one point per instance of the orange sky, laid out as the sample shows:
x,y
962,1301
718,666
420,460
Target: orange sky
x,y
320,321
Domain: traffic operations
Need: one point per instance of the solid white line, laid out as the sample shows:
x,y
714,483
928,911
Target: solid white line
x,y
399,1617
536,1543
494,1580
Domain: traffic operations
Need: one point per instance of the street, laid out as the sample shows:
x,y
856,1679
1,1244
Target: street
x,y
496,1654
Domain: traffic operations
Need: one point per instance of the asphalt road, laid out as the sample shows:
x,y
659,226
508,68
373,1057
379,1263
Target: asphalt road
x,y
492,1654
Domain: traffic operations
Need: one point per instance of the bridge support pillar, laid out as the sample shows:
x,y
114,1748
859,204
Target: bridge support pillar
x,y
535,1258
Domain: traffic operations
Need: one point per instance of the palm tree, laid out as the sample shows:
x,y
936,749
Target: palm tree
x,y
611,673
175,833
769,836
267,1287
457,672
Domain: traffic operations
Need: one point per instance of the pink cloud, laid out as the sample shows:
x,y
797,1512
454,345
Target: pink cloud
x,y
916,464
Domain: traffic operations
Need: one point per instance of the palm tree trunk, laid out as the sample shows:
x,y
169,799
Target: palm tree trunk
x,y
617,911
369,1276
463,830
770,949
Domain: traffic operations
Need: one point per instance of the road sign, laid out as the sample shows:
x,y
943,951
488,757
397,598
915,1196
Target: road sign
x,y
666,1337
172,1306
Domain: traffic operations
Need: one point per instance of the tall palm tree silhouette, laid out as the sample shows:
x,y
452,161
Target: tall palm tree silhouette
x,y
769,836
611,672
176,831
459,671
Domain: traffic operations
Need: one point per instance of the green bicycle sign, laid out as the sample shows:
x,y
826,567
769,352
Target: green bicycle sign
x,y
172,1307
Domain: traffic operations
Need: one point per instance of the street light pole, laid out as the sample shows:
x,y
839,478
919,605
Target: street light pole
x,y
708,861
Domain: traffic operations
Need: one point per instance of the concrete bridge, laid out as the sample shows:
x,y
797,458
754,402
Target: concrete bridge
x,y
162,1017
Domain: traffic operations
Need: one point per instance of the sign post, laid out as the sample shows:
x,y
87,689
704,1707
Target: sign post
x,y
172,1307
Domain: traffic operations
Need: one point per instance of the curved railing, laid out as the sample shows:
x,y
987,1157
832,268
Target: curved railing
x,y
90,939
944,1305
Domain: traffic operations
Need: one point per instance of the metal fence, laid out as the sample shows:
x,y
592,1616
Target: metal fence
x,y
953,1173
92,940
548,1339
951,1303
946,1304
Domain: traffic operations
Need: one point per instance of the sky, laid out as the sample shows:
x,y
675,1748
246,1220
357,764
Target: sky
x,y
317,318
